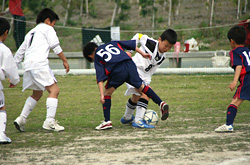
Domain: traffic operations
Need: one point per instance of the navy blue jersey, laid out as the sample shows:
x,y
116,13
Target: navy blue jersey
x,y
240,56
107,56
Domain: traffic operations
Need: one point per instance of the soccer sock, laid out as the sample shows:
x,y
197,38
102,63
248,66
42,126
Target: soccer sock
x,y
130,107
231,113
151,94
28,107
106,108
3,121
51,108
141,109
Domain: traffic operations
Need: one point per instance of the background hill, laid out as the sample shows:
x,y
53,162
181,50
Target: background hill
x,y
190,18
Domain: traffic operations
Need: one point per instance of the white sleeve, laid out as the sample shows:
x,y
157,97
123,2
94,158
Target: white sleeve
x,y
54,41
10,68
20,53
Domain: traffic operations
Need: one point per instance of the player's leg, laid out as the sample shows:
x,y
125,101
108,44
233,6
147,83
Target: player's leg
x,y
231,114
3,121
130,108
106,124
51,103
151,94
141,108
29,105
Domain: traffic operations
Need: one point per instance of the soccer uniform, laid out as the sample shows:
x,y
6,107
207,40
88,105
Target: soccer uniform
x,y
241,56
8,67
35,51
112,63
146,67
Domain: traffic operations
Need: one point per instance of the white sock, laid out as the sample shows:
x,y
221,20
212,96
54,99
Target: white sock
x,y
3,121
130,108
141,108
28,107
51,108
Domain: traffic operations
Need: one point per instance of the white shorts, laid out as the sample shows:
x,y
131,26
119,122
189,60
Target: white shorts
x,y
38,79
2,101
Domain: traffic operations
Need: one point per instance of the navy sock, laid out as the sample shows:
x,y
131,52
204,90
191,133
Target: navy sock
x,y
231,113
151,94
106,107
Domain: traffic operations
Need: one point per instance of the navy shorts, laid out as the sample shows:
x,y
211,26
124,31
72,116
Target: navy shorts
x,y
125,71
243,90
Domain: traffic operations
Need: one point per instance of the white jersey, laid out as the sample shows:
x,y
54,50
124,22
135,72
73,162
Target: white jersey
x,y
8,66
147,67
36,46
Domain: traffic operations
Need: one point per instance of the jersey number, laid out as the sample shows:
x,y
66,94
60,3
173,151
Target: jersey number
x,y
109,51
31,39
247,57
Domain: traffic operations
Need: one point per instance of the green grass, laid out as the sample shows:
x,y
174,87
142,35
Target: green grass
x,y
198,105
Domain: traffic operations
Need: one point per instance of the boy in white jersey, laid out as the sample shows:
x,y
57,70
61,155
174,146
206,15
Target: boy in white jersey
x,y
146,68
38,76
8,67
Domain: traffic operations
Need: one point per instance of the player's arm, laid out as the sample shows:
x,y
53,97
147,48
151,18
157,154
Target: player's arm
x,y
20,53
144,55
100,86
65,62
236,77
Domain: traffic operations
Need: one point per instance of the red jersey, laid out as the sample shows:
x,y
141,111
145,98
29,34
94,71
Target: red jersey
x,y
15,7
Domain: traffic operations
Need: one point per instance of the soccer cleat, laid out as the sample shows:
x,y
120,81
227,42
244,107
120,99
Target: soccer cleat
x,y
52,126
164,110
124,121
225,128
142,124
4,139
20,123
104,125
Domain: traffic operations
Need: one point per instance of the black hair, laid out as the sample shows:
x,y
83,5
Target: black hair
x,y
89,49
169,35
238,34
4,25
46,13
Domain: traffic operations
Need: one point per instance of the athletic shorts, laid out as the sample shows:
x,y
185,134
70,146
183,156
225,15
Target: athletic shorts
x,y
243,90
2,101
38,79
124,72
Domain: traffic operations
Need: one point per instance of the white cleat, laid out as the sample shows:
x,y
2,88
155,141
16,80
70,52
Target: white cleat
x,y
225,128
4,139
52,126
20,123
104,125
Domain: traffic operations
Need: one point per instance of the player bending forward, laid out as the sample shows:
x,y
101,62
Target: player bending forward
x,y
240,62
38,76
112,63
146,68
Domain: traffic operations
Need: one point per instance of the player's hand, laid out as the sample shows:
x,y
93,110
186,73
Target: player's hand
x,y
129,54
12,85
66,66
146,55
102,100
232,85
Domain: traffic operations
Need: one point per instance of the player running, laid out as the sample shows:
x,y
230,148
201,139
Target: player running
x,y
240,62
38,76
112,63
146,68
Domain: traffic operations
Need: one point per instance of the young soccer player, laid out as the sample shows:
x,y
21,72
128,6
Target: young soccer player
x,y
8,67
146,68
38,76
116,66
240,62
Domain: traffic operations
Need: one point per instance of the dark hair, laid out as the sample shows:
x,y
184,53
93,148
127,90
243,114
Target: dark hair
x,y
4,25
238,34
89,49
169,35
46,13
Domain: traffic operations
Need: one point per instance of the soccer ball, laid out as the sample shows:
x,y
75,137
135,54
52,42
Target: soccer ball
x,y
151,117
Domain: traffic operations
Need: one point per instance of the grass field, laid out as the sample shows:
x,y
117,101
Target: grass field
x,y
197,106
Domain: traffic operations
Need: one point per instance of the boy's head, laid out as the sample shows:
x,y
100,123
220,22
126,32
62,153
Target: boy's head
x,y
236,36
167,39
46,14
4,28
89,51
